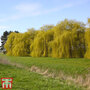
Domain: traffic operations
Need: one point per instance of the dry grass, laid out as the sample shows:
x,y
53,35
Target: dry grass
x,y
79,80
4,61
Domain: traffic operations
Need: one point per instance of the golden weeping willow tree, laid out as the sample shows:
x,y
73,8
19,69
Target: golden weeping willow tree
x,y
65,45
61,46
22,44
69,39
65,40
87,37
40,45
18,44
78,41
37,45
20,50
9,45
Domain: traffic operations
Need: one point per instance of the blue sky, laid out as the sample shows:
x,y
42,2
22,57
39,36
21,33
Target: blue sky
x,y
23,14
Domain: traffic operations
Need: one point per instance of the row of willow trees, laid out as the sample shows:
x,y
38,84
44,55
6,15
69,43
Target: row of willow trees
x,y
68,39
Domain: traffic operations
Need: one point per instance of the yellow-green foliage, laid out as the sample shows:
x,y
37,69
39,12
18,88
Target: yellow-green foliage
x,y
46,27
78,41
61,46
18,44
87,37
68,39
65,40
37,45
10,43
65,45
40,46
22,43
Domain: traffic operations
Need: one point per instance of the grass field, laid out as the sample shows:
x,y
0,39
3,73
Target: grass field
x,y
76,70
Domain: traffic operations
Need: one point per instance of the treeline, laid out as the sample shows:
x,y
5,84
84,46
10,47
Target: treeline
x,y
68,39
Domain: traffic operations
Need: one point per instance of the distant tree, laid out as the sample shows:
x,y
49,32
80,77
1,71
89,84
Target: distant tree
x,y
4,39
15,31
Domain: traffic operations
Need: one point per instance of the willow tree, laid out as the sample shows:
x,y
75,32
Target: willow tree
x,y
65,40
61,46
22,44
62,37
9,43
87,38
40,45
18,44
37,45
78,40
65,45
69,38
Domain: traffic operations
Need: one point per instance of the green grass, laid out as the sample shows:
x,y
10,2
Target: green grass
x,y
73,66
24,80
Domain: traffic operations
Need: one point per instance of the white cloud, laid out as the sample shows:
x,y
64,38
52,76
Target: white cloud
x,y
79,2
57,8
4,27
26,10
35,9
3,19
28,7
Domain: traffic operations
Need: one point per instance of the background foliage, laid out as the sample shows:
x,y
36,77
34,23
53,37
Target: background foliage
x,y
68,39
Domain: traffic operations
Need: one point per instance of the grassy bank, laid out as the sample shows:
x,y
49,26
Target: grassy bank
x,y
73,68
24,80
